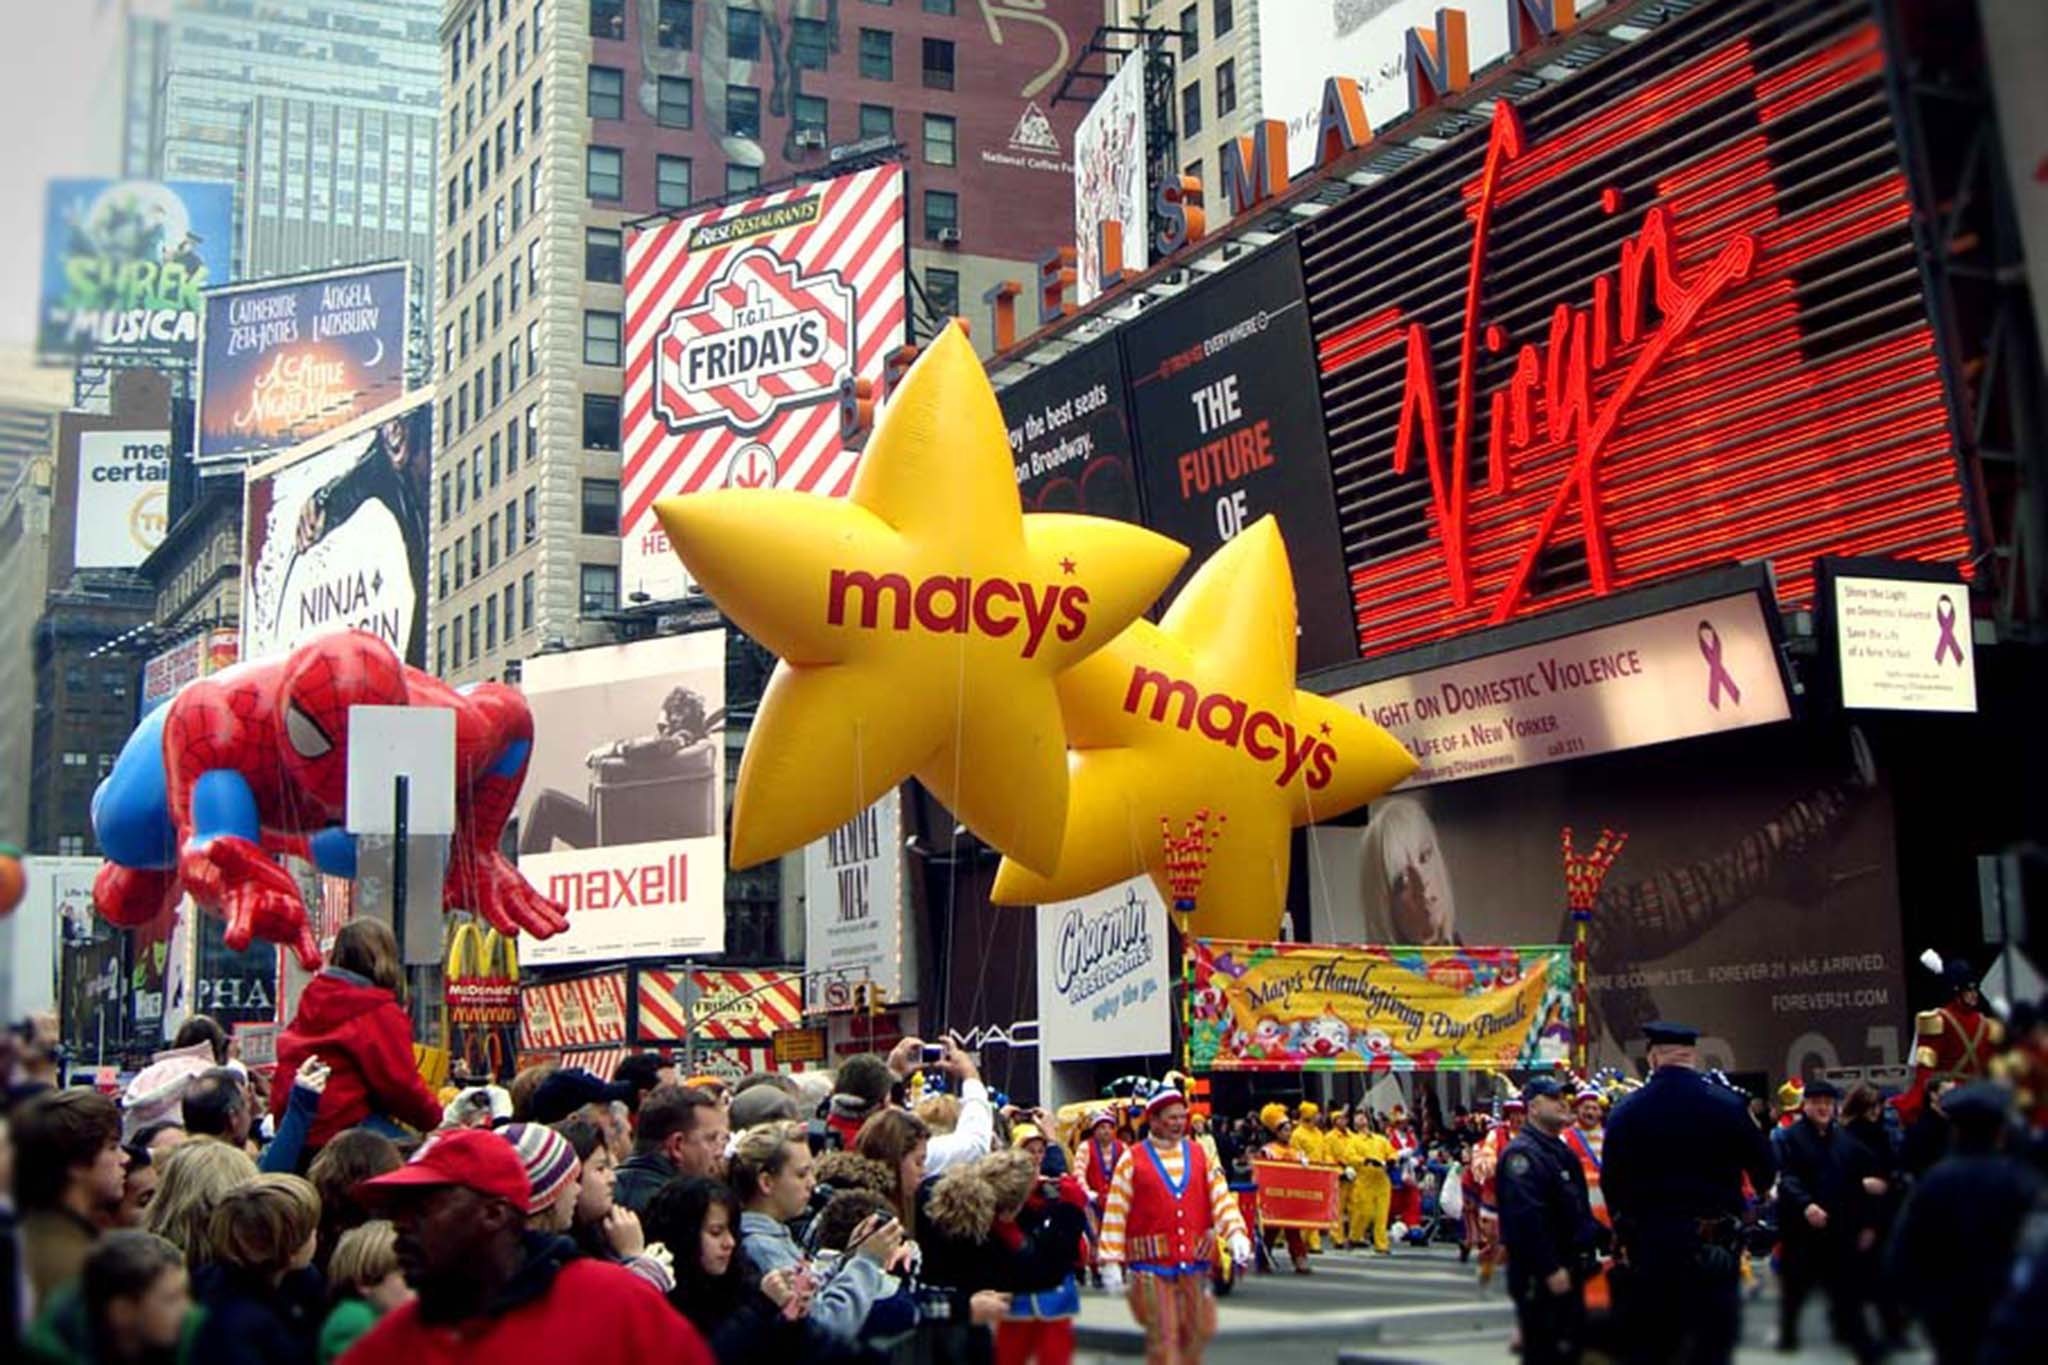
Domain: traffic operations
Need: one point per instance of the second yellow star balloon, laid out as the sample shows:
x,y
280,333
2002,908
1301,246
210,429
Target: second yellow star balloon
x,y
1196,723
920,623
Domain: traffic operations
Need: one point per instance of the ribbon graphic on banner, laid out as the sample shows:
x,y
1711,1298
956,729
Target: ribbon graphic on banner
x,y
1945,617
1718,675
1329,1007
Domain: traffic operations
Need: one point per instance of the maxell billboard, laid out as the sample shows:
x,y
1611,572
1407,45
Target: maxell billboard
x,y
124,265
623,815
741,324
1223,399
285,360
123,487
336,536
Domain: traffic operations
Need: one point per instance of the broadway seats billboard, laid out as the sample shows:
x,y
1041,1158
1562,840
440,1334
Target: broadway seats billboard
x,y
124,264
742,322
285,360
623,815
335,537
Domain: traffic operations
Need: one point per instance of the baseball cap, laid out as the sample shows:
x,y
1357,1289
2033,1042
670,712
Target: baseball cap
x,y
473,1158
1023,1133
569,1089
1821,1088
1542,1085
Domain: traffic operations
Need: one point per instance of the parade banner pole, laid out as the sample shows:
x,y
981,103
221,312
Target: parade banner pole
x,y
1583,877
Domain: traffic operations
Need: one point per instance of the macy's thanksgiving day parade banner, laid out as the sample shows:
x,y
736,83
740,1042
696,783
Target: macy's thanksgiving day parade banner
x,y
1328,1007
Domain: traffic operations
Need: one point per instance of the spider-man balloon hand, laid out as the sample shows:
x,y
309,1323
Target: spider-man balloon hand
x,y
253,762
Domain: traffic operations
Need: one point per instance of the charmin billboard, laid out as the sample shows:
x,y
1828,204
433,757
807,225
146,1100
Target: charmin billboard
x,y
125,263
1103,975
1223,399
1663,315
336,537
742,322
124,481
285,360
203,654
1071,437
623,815
1109,178
1760,906
853,910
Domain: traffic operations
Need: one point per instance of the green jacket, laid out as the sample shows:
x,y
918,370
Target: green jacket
x,y
349,1320
61,1335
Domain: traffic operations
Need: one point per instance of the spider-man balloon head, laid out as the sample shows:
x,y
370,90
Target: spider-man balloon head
x,y
323,679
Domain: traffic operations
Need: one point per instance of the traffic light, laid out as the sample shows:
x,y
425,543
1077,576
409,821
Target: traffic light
x,y
860,999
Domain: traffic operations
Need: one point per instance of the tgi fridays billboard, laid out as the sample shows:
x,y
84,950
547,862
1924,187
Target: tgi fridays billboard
x,y
742,323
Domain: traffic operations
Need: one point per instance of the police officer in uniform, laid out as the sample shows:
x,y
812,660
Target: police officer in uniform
x,y
1672,1173
1547,1225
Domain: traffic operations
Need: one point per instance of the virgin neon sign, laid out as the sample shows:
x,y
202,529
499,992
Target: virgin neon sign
x,y
1720,380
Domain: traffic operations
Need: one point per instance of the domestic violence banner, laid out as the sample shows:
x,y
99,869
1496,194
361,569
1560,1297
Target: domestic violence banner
x,y
1292,1195
1223,396
1332,1007
1695,670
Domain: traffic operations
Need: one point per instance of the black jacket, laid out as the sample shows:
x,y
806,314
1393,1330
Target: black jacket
x,y
964,1250
639,1177
246,1322
1676,1152
1951,1253
1546,1217
1825,1168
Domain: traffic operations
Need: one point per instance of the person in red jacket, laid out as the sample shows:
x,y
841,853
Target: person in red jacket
x,y
491,1292
350,1016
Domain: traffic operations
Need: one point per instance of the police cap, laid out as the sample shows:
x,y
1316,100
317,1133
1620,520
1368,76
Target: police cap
x,y
1983,1104
1821,1088
1662,1033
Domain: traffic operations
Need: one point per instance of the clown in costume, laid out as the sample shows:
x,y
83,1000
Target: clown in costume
x,y
1273,1118
1168,1204
1585,1137
1095,1159
1370,1197
1486,1171
1407,1206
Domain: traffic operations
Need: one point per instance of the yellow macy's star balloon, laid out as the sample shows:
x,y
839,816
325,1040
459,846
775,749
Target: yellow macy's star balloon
x,y
920,622
1200,713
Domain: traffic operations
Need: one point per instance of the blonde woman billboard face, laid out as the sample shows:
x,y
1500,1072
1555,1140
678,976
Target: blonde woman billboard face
x,y
1418,883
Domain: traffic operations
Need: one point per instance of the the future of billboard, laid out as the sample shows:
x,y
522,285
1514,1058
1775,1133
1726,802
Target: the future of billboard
x,y
125,263
336,536
1662,316
1223,399
623,814
124,480
742,322
283,361
1109,178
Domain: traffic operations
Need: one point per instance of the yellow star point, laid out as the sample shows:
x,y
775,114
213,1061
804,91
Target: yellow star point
x,y
1200,713
921,623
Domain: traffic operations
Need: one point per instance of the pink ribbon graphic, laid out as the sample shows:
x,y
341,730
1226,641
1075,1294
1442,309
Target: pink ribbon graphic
x,y
1945,617
1718,676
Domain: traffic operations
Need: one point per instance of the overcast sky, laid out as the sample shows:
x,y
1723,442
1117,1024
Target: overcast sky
x,y
53,53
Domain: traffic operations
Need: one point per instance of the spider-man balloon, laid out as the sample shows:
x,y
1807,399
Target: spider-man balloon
x,y
252,763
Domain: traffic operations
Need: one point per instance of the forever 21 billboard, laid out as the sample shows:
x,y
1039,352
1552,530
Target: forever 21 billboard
x,y
1230,428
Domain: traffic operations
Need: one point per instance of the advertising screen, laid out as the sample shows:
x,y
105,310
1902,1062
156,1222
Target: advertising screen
x,y
622,817
125,263
124,480
1761,906
1071,437
1109,177
1104,962
741,323
206,653
285,360
1664,315
336,538
853,910
1223,397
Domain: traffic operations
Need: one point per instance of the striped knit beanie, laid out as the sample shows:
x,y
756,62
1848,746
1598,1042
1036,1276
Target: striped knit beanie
x,y
549,1160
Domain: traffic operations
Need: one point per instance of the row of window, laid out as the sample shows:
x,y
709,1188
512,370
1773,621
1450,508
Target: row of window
x,y
476,100
1191,98
463,46
483,625
675,108
484,543
604,179
465,481
1223,16
809,44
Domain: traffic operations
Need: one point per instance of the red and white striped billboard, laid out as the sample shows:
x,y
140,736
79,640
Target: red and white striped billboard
x,y
741,324
584,1012
740,1005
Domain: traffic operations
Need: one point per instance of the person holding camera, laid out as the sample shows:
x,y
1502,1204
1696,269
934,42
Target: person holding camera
x,y
1546,1223
974,1136
772,1175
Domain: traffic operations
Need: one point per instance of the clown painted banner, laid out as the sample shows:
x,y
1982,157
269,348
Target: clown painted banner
x,y
1330,1007
741,324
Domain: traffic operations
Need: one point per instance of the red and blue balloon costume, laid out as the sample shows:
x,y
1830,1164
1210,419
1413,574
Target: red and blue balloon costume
x,y
252,763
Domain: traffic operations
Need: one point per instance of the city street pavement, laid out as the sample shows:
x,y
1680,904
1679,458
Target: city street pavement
x,y
1419,1306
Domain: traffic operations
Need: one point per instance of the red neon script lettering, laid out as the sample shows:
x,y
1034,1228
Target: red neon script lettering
x,y
1582,343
